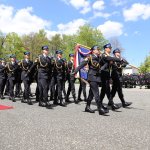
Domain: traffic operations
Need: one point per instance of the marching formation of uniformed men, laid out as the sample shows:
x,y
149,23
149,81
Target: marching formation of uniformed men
x,y
146,80
133,80
51,74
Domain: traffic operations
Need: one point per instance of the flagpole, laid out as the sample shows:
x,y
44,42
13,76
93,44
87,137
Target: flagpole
x,y
86,82
133,66
83,45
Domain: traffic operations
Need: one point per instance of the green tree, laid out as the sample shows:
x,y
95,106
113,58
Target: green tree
x,y
55,43
115,43
34,41
89,36
145,66
2,41
68,44
13,45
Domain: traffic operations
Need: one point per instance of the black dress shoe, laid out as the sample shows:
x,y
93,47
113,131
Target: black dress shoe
x,y
105,109
48,105
101,111
114,107
67,100
62,104
76,101
126,104
23,100
42,104
29,102
2,97
88,109
13,99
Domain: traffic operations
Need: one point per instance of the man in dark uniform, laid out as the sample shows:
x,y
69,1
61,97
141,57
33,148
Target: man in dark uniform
x,y
6,85
25,77
12,68
106,74
52,86
117,78
65,71
59,70
2,77
71,79
18,88
43,62
93,62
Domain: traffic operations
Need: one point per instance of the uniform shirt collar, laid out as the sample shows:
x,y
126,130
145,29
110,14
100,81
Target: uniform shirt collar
x,y
107,54
27,60
44,55
58,58
12,62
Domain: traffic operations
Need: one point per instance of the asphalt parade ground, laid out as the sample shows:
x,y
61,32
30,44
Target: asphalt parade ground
x,y
30,127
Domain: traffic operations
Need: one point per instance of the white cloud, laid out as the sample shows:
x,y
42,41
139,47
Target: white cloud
x,y
50,33
100,14
22,21
111,29
104,15
136,12
118,2
82,5
98,5
125,34
79,3
71,27
85,10
136,33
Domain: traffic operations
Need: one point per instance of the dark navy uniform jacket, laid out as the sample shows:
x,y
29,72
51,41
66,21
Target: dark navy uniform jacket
x,y
105,60
12,70
71,69
117,68
2,72
93,62
59,68
25,66
44,67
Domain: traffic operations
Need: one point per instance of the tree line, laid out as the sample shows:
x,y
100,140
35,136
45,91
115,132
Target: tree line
x,y
12,43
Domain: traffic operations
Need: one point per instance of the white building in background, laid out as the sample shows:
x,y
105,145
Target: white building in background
x,y
130,70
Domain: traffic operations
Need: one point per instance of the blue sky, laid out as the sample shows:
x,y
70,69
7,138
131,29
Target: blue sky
x,y
128,20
